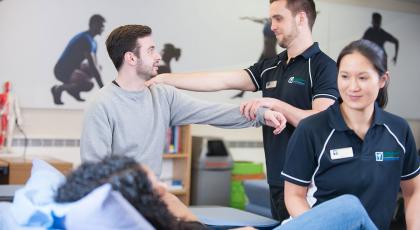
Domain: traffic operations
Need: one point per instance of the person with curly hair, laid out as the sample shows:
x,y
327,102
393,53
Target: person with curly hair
x,y
137,184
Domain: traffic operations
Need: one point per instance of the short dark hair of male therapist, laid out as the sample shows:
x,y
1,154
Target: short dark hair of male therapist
x,y
124,39
307,6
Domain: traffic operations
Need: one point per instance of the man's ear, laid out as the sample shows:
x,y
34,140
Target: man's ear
x,y
130,58
301,18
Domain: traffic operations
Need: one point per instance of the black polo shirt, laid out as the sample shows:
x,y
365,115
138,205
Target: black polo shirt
x,y
306,77
332,160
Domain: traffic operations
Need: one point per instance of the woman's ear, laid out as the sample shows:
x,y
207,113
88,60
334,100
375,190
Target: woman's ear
x,y
383,81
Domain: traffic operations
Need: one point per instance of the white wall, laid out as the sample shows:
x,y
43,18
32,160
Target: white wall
x,y
67,123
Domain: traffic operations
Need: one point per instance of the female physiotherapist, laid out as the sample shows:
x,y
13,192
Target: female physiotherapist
x,y
355,147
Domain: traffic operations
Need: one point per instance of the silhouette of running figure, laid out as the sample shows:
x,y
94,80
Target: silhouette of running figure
x,y
379,36
77,64
270,43
169,51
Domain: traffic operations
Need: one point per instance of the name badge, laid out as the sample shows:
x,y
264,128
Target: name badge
x,y
271,84
341,153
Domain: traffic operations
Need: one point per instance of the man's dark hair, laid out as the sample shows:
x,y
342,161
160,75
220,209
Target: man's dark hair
x,y
124,39
127,177
307,6
96,20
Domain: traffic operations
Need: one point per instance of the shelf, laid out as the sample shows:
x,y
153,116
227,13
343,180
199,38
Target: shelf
x,y
174,155
179,164
178,191
257,176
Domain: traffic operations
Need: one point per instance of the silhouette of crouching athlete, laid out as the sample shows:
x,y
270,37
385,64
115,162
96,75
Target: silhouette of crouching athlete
x,y
78,64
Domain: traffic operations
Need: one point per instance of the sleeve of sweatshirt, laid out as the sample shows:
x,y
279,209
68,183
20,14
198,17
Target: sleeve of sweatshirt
x,y
96,138
188,110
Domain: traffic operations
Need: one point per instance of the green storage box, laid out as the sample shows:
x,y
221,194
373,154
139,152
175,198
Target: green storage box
x,y
237,195
247,167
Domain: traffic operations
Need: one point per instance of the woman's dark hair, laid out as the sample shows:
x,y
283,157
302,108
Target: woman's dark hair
x,y
377,56
130,179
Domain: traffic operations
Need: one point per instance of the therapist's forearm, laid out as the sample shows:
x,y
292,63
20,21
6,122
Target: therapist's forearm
x,y
412,211
294,115
296,205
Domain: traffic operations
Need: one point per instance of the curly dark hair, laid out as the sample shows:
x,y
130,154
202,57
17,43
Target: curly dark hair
x,y
130,179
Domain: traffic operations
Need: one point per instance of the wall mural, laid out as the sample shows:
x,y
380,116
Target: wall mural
x,y
36,46
78,64
269,46
379,36
168,53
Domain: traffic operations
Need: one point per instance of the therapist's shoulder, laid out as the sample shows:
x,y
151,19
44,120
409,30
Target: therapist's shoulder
x,y
395,122
324,65
315,122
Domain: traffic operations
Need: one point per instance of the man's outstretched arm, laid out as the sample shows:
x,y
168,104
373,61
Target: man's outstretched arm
x,y
206,81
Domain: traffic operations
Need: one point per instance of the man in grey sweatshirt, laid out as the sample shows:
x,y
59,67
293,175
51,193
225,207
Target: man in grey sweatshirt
x,y
127,118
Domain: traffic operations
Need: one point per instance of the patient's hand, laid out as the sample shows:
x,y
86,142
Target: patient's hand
x,y
177,208
276,120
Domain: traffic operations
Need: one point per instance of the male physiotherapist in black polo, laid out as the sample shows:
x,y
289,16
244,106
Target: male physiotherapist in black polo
x,y
298,82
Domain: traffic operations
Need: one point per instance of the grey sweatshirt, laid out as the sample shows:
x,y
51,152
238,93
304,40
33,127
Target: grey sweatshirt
x,y
119,122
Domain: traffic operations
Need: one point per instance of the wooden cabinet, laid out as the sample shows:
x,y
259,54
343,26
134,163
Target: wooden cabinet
x,y
181,162
17,170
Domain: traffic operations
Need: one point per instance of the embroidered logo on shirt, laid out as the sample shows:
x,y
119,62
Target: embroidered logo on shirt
x,y
387,156
296,80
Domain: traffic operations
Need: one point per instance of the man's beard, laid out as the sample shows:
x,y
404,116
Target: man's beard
x,y
287,40
145,74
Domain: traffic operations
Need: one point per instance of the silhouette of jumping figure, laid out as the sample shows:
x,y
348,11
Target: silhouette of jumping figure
x,y
168,53
77,64
270,43
379,36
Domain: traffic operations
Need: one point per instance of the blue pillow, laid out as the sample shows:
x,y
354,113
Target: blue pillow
x,y
32,204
